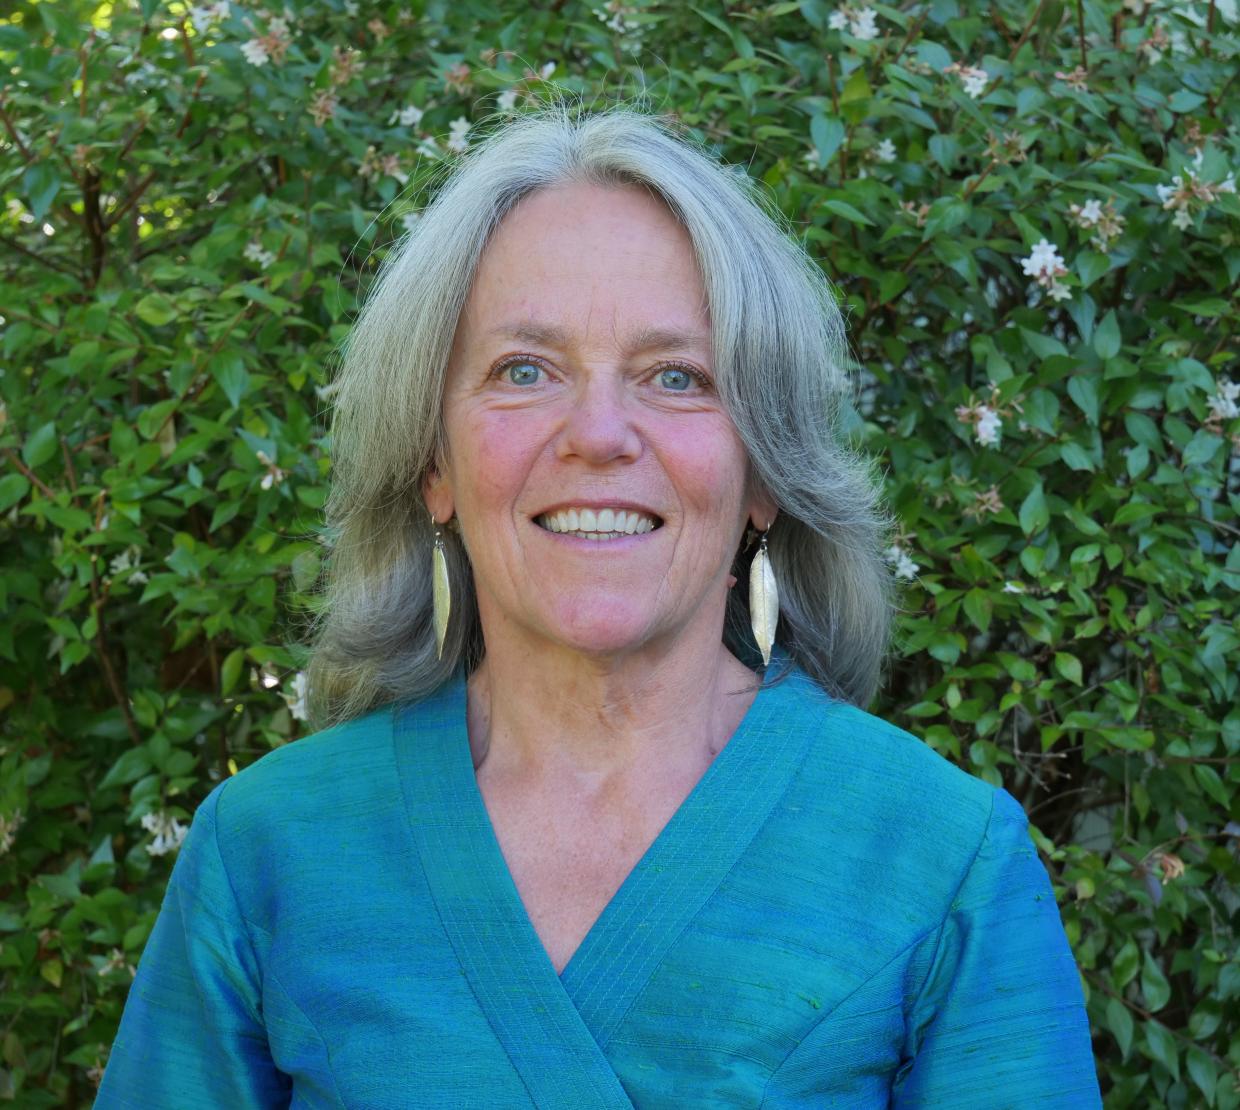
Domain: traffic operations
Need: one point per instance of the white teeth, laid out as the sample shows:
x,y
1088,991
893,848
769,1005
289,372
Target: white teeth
x,y
600,524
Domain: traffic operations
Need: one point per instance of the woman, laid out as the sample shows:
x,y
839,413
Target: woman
x,y
574,841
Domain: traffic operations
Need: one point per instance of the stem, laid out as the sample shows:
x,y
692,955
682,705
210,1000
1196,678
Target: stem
x,y
30,474
1028,30
1080,24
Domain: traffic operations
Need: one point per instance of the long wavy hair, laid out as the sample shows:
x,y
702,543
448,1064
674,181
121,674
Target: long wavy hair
x,y
779,360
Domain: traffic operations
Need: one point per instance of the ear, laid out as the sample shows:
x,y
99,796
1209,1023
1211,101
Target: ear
x,y
437,493
762,510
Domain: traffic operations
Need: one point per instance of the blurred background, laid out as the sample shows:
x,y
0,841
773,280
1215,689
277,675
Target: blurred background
x,y
1029,213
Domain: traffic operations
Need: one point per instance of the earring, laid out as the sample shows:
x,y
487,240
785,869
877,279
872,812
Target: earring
x,y
763,600
441,591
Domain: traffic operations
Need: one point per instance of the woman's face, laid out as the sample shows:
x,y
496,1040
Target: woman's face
x,y
599,485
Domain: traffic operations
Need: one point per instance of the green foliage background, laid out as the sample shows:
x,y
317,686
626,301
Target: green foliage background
x,y
184,238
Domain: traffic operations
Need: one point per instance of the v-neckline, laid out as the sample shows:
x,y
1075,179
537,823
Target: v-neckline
x,y
481,908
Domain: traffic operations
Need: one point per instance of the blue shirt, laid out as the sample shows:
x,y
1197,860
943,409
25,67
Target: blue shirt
x,y
834,916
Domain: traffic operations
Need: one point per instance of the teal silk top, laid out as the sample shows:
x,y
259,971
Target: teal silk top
x,y
835,917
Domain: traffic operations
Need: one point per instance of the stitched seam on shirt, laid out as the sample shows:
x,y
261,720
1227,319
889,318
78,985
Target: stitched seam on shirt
x,y
939,929
327,1052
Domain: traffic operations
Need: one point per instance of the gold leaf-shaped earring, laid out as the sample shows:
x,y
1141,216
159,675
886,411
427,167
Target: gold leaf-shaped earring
x,y
441,591
763,600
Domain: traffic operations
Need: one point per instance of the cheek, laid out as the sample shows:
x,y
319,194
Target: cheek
x,y
492,454
708,465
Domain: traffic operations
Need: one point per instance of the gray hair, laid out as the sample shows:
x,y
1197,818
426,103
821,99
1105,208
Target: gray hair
x,y
779,358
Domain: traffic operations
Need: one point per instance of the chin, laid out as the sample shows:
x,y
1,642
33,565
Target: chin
x,y
603,630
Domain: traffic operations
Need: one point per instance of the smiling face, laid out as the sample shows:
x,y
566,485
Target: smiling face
x,y
600,487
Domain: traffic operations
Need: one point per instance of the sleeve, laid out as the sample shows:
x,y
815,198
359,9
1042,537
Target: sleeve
x,y
192,1032
1000,1018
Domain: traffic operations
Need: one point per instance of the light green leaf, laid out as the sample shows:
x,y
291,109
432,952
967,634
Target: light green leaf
x,y
41,445
843,208
1154,986
1119,1021
1034,513
1107,337
156,309
1069,666
828,134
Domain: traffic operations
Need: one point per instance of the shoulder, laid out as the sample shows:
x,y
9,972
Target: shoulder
x,y
307,778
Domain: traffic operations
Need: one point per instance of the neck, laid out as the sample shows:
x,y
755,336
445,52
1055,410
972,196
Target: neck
x,y
551,713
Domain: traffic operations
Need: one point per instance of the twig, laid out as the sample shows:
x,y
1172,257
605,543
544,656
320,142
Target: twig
x,y
17,140
33,478
1080,24
37,258
1024,35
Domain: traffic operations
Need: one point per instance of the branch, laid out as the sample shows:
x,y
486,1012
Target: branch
x,y
17,139
1080,25
37,257
95,230
1024,35
30,474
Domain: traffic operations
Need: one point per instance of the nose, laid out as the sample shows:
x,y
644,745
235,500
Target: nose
x,y
598,427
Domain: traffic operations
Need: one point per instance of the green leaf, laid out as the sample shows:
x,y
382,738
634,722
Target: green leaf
x,y
1125,965
129,768
41,445
156,309
891,285
1161,1046
1044,346
1119,1021
13,487
1107,337
1143,430
1213,785
1154,986
1202,1070
1090,266
1201,448
1069,666
843,208
230,670
1034,513
40,183
827,134
230,373
1084,391
1076,457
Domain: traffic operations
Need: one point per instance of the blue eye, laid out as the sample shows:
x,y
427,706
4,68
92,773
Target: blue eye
x,y
523,373
675,379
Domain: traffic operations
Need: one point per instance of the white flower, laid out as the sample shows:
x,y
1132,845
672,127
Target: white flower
x,y
885,151
350,7
988,425
278,27
1182,219
811,157
862,25
507,100
120,563
546,70
1044,261
254,253
1223,404
255,52
203,17
458,129
1013,588
410,220
1166,192
903,563
1228,184
138,578
974,80
1090,213
8,830
837,21
169,832
407,117
295,696
274,474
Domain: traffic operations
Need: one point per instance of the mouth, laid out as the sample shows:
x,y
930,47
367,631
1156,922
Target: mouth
x,y
598,524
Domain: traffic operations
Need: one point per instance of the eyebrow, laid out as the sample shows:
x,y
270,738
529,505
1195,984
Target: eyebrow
x,y
644,339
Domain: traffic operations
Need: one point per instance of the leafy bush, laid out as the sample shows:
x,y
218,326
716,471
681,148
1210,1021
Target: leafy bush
x,y
1030,214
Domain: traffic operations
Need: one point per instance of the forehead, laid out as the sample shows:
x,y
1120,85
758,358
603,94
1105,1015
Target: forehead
x,y
582,258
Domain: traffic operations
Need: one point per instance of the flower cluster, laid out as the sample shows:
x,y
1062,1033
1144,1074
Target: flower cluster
x,y
902,562
457,78
1105,223
1223,404
254,253
8,830
985,420
323,106
202,17
168,832
274,475
270,47
1008,149
375,164
345,63
617,16
989,501
973,78
295,696
458,129
858,22
1046,267
919,212
410,116
116,962
126,563
1188,193
1075,79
